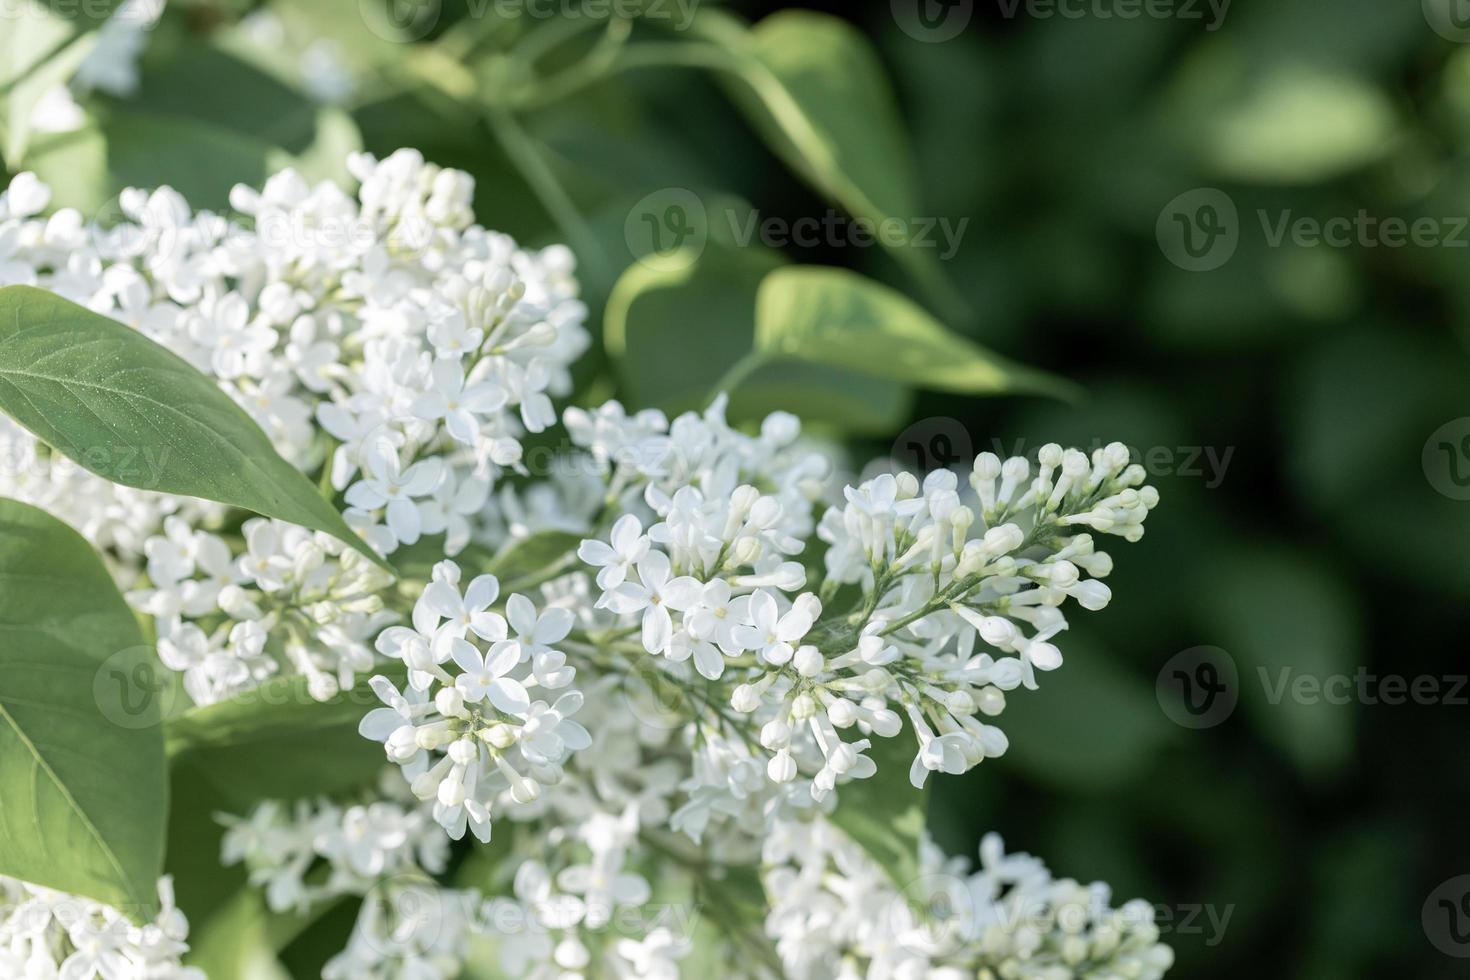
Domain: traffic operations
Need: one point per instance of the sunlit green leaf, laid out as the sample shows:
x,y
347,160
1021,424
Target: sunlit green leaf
x,y
136,413
840,319
81,772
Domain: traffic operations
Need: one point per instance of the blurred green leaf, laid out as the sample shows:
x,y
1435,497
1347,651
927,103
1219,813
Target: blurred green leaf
x,y
1284,617
1091,726
240,941
677,325
249,746
815,88
1280,123
38,51
838,318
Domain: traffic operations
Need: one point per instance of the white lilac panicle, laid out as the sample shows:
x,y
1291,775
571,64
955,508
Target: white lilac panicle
x,y
385,851
382,335
487,708
45,933
835,912
936,600
295,601
381,339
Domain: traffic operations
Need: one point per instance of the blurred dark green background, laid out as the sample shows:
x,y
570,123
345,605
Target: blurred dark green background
x,y
1289,399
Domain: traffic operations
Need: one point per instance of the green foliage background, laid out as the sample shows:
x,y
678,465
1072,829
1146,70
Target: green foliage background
x,y
1321,371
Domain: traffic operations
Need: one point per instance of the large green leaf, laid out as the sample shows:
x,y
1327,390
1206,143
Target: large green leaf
x,y
250,746
841,319
81,772
674,329
129,410
813,85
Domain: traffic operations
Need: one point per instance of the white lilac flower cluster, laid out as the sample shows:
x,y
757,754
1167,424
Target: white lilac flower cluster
x,y
593,916
730,636
294,597
383,339
835,913
931,608
44,933
466,727
385,851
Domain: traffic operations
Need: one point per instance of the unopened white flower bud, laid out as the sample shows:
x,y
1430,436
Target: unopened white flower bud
x,y
745,698
463,751
842,713
775,734
808,661
1044,656
499,735
450,702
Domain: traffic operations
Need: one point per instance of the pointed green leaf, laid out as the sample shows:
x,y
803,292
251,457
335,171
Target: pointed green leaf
x,y
814,86
663,363
83,796
841,319
249,745
136,413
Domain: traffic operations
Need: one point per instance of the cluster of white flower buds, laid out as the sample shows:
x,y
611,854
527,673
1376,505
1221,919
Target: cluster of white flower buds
x,y
45,933
466,729
1006,918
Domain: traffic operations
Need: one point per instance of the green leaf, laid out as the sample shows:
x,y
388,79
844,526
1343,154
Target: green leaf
x,y
662,362
1090,727
840,319
38,51
241,940
250,745
884,814
82,778
134,412
813,85
534,557
1287,620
